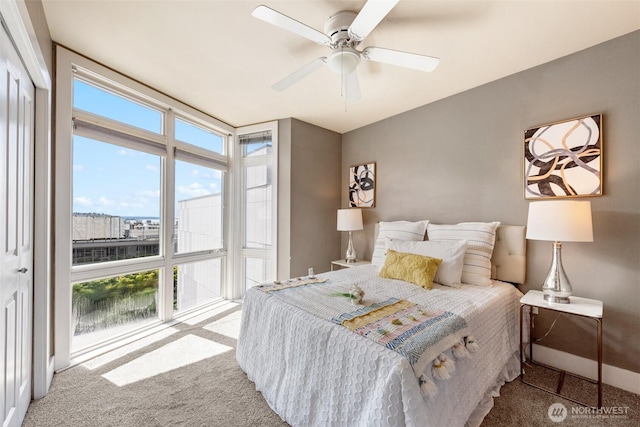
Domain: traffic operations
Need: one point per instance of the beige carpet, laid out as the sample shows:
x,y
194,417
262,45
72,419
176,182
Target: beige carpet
x,y
522,405
128,388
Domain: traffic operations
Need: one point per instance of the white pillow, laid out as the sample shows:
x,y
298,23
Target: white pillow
x,y
402,230
480,237
450,252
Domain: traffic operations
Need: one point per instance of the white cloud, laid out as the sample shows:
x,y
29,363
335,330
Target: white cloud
x,y
126,152
127,203
211,174
151,168
78,168
213,186
148,193
193,190
82,201
106,202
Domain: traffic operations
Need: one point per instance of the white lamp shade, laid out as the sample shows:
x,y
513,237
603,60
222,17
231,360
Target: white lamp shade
x,y
349,219
560,221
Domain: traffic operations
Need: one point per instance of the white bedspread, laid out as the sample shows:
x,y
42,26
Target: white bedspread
x,y
313,372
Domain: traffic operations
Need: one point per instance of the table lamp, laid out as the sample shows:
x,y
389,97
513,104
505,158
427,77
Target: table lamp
x,y
350,220
559,221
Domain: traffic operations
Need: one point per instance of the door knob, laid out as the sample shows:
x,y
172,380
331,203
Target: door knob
x,y
23,270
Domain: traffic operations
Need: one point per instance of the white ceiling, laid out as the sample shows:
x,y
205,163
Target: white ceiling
x,y
213,55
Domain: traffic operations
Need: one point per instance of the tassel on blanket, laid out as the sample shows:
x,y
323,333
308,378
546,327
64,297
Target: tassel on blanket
x,y
439,371
460,351
427,386
471,344
447,363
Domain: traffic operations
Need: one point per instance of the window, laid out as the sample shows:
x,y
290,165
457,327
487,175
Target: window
x,y
257,148
141,234
105,307
258,206
198,208
89,97
257,144
257,271
196,135
116,202
197,283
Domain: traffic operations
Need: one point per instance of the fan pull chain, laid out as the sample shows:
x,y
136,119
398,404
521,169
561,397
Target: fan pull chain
x,y
344,90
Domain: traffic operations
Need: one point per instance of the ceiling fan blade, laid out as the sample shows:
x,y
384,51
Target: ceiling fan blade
x,y
352,87
299,74
369,17
286,23
401,59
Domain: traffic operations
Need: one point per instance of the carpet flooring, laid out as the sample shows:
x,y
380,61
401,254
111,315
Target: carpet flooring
x,y
148,384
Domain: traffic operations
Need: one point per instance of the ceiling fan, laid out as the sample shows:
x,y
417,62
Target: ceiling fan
x,y
343,32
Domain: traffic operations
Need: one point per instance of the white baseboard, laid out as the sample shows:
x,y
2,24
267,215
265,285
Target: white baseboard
x,y
617,377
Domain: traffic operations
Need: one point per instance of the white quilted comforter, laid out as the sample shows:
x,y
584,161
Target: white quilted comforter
x,y
313,372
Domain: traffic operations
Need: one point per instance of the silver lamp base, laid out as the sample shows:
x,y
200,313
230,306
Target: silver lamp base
x,y
350,255
555,299
557,287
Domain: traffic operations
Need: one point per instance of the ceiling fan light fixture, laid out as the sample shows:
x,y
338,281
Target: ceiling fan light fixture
x,y
343,61
343,33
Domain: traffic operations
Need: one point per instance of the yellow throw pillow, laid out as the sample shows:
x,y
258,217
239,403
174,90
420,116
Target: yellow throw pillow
x,y
417,269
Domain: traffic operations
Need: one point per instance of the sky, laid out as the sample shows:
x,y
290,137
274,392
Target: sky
x,y
115,180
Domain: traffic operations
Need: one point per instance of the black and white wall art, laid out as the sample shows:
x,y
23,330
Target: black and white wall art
x,y
564,159
362,186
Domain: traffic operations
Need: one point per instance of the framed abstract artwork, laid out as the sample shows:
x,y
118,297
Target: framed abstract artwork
x,y
362,186
564,159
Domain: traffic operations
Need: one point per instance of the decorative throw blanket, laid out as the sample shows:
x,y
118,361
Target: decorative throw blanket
x,y
419,334
413,331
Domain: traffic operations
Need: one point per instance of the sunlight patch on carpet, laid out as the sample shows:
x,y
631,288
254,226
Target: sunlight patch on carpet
x,y
181,352
129,348
228,326
210,313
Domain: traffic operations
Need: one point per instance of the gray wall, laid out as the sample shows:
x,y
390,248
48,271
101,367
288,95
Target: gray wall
x,y
460,159
308,197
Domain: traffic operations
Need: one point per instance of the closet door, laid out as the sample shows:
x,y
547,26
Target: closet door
x,y
16,232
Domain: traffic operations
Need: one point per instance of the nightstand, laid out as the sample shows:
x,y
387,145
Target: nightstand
x,y
344,264
584,307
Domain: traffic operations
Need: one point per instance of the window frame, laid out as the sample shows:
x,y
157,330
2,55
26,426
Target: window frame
x,y
240,252
195,148
122,91
70,66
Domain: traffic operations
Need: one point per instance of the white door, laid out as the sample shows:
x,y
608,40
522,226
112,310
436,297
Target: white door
x,y
16,225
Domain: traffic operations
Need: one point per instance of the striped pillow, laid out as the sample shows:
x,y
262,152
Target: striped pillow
x,y
481,236
401,230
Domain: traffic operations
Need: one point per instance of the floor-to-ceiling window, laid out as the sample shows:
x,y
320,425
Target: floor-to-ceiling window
x,y
257,153
141,192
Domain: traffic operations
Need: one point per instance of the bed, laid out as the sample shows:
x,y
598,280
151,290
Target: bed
x,y
314,371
